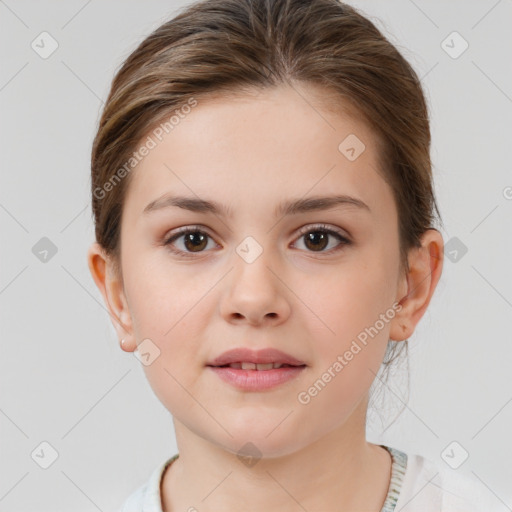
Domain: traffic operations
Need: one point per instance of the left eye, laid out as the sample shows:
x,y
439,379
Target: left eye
x,y
316,239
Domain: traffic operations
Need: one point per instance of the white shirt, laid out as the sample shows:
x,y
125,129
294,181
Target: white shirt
x,y
417,485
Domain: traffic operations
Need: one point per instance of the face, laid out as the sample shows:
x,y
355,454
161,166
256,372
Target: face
x,y
308,282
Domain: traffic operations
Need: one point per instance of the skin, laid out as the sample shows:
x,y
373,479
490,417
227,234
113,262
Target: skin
x,y
250,153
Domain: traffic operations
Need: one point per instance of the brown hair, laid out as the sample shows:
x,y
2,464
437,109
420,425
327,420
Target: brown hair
x,y
223,47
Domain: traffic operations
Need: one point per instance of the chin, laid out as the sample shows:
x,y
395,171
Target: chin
x,y
257,443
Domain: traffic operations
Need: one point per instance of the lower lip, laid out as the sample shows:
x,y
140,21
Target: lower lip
x,y
257,380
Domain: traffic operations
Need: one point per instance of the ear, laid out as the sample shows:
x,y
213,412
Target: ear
x,y
110,284
417,286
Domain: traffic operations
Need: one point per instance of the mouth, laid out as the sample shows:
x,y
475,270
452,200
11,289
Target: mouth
x,y
257,366
255,371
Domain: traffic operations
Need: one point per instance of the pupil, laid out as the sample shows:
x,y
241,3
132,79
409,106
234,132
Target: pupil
x,y
196,244
315,237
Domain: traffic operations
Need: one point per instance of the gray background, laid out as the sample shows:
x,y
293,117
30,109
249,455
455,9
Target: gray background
x,y
63,378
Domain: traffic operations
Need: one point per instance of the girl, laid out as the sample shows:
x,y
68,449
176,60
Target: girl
x,y
264,210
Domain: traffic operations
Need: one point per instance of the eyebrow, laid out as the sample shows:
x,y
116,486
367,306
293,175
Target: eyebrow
x,y
293,207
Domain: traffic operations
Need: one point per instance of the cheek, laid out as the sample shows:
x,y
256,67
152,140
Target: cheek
x,y
170,307
162,298
344,302
347,362
172,321
352,320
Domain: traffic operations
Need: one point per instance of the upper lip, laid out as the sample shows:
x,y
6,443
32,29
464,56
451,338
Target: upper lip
x,y
262,356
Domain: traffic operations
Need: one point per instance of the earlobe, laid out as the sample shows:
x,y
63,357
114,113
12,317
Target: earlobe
x,y
126,344
110,286
425,267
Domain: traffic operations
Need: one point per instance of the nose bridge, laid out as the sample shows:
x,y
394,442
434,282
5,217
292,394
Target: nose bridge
x,y
252,260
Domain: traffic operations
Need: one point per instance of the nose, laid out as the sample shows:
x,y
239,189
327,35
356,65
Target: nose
x,y
255,293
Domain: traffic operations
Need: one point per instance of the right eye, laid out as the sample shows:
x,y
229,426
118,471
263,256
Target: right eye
x,y
194,240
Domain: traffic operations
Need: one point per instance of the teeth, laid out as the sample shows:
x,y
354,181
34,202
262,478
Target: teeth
x,y
254,366
267,366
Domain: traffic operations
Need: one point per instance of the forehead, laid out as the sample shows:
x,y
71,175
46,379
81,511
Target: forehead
x,y
262,145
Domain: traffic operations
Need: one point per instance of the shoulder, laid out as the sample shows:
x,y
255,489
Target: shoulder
x,y
147,497
431,486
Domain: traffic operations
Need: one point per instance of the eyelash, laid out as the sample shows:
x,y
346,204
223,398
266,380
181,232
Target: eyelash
x,y
306,229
